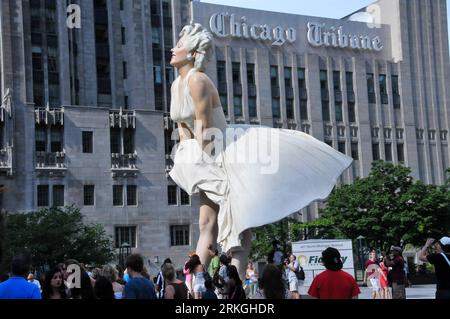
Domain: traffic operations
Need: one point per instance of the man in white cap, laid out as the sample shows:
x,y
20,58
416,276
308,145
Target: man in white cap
x,y
441,261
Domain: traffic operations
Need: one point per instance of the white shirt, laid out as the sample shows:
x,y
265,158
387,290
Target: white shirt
x,y
291,275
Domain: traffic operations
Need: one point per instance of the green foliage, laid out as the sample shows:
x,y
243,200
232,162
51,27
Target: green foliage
x,y
53,235
387,206
283,231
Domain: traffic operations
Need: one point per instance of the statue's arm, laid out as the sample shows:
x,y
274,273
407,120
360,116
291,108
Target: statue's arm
x,y
201,96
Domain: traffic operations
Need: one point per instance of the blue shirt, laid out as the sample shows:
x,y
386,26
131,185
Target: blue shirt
x,y
139,288
19,288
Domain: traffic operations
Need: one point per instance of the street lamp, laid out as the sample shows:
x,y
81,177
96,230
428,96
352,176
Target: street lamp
x,y
360,239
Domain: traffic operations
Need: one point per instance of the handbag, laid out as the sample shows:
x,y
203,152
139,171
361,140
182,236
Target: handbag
x,y
300,274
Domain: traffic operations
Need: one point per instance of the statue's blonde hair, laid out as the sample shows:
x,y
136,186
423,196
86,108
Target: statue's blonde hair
x,y
198,40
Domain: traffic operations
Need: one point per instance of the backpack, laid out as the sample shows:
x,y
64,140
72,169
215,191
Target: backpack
x,y
300,274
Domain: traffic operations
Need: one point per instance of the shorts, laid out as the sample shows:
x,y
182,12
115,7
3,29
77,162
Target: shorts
x,y
293,285
199,288
375,284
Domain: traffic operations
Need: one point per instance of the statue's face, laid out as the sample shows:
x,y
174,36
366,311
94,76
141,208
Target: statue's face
x,y
180,53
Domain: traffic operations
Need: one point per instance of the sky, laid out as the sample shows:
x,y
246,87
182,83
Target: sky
x,y
320,8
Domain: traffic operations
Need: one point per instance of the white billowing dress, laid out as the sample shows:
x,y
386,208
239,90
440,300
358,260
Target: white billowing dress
x,y
292,170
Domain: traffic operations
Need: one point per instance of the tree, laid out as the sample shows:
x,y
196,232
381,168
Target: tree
x,y
387,207
54,235
281,231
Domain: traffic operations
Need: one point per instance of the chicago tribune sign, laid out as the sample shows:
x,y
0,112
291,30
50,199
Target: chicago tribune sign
x,y
319,36
226,25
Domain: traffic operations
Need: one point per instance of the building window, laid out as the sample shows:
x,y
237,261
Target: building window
x,y
276,113
289,92
128,141
383,89
157,76
252,107
444,135
371,87
323,79
328,130
396,92
237,101
388,152
115,140
121,5
326,110
56,134
400,153
329,142
237,85
376,151
387,133
117,195
355,151
89,195
303,94
351,113
250,73
275,89
58,195
290,109
124,69
338,109
125,235
354,131
185,199
222,85
88,144
399,133
304,110
349,81
172,195
224,102
43,195
325,95
179,235
301,78
123,36
41,139
337,80
131,195
341,131
341,147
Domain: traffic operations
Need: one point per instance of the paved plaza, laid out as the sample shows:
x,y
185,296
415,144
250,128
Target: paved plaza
x,y
415,292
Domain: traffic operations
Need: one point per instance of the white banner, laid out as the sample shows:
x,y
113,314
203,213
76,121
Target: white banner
x,y
309,256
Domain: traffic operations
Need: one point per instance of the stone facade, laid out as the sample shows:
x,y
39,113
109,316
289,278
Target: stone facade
x,y
139,35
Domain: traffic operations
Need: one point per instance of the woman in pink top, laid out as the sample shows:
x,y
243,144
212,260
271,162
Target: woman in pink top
x,y
385,291
187,274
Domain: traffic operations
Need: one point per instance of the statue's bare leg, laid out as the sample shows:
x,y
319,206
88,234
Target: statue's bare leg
x,y
208,228
240,257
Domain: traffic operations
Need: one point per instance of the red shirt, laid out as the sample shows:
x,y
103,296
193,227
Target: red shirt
x,y
334,285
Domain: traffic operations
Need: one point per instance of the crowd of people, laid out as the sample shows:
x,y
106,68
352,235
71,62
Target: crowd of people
x,y
281,278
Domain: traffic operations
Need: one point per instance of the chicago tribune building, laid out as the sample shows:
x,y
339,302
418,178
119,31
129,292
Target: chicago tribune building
x,y
84,112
